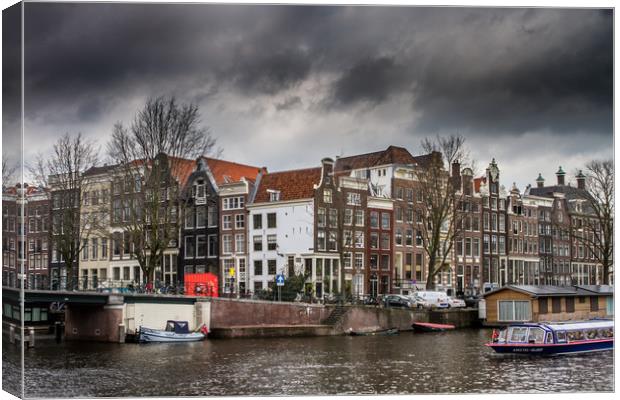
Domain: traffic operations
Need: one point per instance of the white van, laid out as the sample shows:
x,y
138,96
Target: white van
x,y
427,299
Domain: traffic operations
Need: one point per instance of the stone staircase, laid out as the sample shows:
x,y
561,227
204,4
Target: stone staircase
x,y
335,316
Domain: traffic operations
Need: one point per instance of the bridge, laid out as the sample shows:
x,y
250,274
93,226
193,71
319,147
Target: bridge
x,y
101,316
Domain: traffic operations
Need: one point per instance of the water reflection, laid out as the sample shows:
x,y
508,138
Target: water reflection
x,y
452,362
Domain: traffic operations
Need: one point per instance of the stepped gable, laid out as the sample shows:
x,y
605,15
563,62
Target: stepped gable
x,y
391,155
292,185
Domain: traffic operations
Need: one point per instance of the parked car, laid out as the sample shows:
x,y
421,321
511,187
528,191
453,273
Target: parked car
x,y
472,301
397,300
427,299
454,302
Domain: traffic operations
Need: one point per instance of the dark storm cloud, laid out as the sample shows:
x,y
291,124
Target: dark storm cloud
x,y
478,71
372,81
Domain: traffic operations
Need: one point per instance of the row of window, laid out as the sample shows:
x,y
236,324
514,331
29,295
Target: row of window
x,y
201,246
200,217
257,221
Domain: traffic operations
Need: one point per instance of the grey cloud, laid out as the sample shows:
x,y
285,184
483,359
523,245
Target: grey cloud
x,y
288,103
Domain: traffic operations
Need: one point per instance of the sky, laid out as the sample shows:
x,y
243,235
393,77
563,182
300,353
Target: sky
x,y
285,86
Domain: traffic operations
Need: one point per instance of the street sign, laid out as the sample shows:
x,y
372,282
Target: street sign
x,y
231,272
280,280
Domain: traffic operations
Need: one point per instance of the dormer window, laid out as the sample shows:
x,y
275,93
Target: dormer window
x,y
274,195
199,192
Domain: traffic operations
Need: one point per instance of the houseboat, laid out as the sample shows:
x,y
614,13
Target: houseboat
x,y
554,338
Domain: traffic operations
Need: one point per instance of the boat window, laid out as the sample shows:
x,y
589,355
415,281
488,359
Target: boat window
x,y
574,336
591,334
536,335
502,335
561,336
606,333
549,337
518,334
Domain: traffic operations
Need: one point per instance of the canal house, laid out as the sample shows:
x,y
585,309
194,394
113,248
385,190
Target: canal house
x,y
525,303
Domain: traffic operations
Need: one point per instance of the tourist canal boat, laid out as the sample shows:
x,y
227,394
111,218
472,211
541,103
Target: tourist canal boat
x,y
554,338
176,331
384,332
430,327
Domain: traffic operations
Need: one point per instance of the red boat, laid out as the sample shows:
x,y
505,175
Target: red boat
x,y
429,327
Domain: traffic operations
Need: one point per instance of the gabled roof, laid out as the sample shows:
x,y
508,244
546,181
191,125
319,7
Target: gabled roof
x,y
550,291
228,171
570,192
391,155
292,185
601,289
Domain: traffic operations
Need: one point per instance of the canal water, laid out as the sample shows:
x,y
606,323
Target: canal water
x,y
450,362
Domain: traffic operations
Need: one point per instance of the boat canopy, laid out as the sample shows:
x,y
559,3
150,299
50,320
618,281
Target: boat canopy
x,y
581,325
177,326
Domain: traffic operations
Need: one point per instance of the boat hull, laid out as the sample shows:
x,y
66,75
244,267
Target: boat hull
x,y
158,336
552,349
429,327
388,332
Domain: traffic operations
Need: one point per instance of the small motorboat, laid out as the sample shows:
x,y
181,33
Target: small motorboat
x,y
552,338
430,327
384,332
176,331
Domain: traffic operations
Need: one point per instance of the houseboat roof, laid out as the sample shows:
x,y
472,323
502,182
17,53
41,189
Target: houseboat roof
x,y
551,291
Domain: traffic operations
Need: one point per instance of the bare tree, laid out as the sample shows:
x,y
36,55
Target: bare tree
x,y
595,227
8,170
64,172
440,222
153,156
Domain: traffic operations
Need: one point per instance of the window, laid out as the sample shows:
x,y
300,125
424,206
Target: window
x,y
385,241
536,335
359,260
409,237
354,199
258,243
347,237
385,221
398,237
348,216
104,248
271,220
239,221
271,267
213,217
321,221
385,261
556,305
374,240
327,196
332,238
543,306
212,246
374,219
240,243
347,259
333,218
374,261
514,311
232,203
201,217
359,217
258,267
189,247
227,222
418,238
272,242
84,249
189,218
359,239
320,240
95,248
227,244
201,246
257,221
274,196
570,304
593,301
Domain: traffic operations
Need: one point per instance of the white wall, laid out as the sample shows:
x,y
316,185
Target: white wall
x,y
294,231
155,315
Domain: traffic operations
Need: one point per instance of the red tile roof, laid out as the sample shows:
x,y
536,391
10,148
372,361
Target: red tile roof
x,y
391,155
292,185
228,171
181,169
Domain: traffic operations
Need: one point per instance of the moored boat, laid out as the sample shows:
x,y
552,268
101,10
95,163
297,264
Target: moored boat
x,y
554,338
176,331
430,327
384,332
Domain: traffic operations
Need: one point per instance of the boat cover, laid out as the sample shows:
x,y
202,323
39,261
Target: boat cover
x,y
177,326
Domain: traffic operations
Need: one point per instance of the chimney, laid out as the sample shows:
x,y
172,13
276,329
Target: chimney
x,y
560,174
456,169
540,181
581,181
